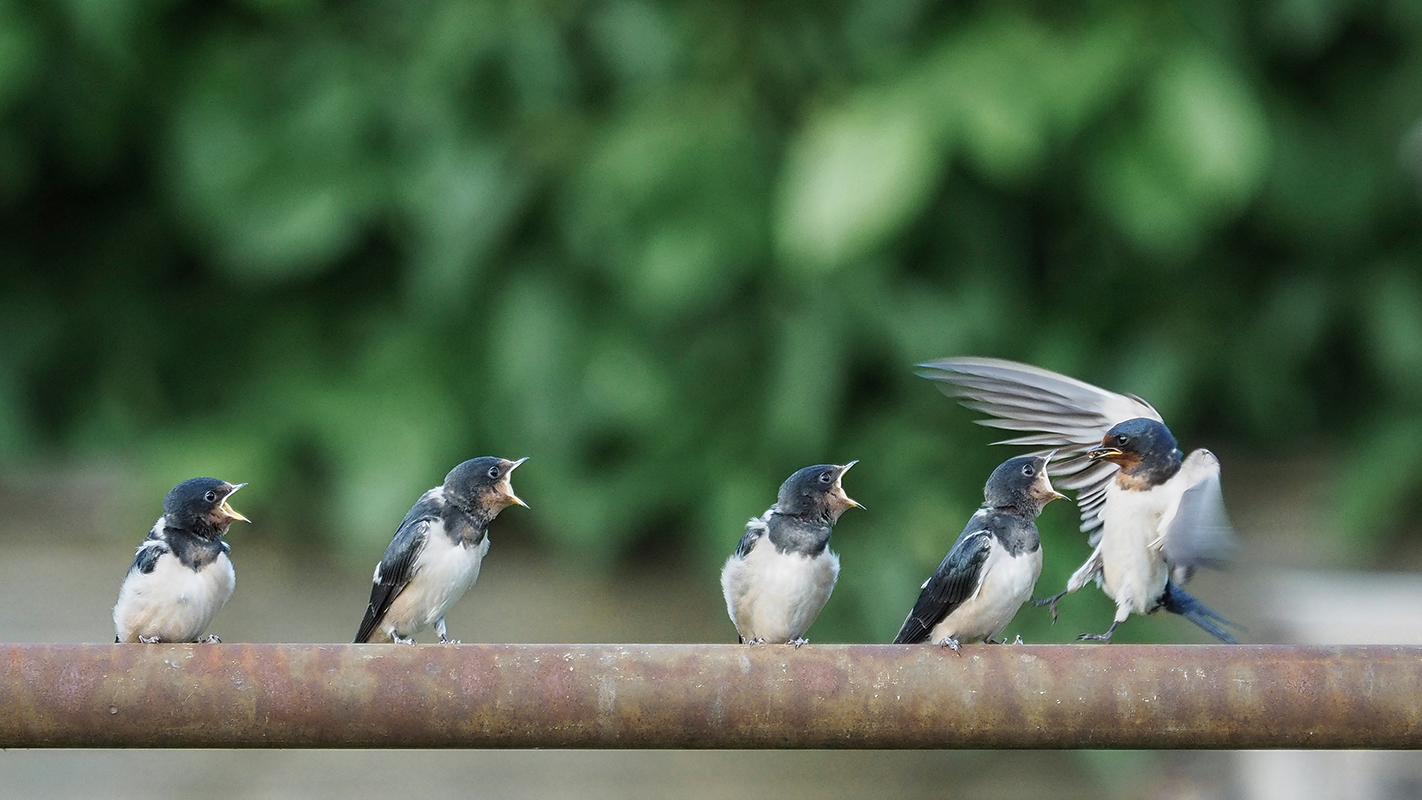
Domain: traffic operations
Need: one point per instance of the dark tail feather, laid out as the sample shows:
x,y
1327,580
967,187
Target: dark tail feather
x,y
1177,601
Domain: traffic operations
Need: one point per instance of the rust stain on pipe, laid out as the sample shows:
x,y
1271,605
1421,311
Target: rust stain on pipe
x,y
710,696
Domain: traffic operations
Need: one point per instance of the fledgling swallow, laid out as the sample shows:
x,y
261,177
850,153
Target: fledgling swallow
x,y
181,575
1153,516
435,555
992,567
783,571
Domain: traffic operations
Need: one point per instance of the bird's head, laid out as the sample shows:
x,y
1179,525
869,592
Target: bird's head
x,y
816,492
1137,444
200,505
481,485
1022,483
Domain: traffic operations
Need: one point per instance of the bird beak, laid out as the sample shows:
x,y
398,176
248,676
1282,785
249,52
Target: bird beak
x,y
1046,489
839,487
228,511
1103,452
508,486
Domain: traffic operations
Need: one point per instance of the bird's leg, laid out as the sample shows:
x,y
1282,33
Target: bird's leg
x,y
150,639
1100,637
797,641
756,640
1051,602
439,628
1018,640
952,644
211,638
398,639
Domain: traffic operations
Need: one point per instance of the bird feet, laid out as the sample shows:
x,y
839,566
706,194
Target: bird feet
x,y
756,640
1018,640
150,639
1100,637
398,639
446,640
211,638
952,644
798,641
1051,603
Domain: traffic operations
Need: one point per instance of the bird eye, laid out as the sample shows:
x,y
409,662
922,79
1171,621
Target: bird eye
x,y
210,497
1027,470
493,472
1121,439
826,477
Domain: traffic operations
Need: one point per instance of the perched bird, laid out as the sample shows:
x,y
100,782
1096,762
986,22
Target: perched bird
x,y
783,570
992,567
181,576
435,555
1153,516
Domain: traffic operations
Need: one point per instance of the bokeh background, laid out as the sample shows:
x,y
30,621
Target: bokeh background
x,y
673,252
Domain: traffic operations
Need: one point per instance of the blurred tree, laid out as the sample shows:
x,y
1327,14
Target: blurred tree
x,y
675,252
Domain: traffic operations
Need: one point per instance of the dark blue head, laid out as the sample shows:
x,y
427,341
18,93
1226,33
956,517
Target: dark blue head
x,y
482,486
1020,483
200,505
1140,446
816,493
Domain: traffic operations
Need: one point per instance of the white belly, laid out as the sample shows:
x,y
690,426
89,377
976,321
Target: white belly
x,y
443,572
1133,572
172,602
1006,584
776,596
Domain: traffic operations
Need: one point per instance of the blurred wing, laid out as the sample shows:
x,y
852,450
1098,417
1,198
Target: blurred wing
x,y
395,571
1058,413
1199,533
954,581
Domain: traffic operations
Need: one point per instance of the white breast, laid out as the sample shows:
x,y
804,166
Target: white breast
x,y
1006,584
776,596
172,602
443,572
1132,569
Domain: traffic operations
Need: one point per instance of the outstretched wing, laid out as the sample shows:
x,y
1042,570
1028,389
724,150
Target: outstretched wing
x,y
1198,533
954,581
1057,412
395,570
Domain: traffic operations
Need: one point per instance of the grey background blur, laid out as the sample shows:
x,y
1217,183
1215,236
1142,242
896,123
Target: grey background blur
x,y
674,252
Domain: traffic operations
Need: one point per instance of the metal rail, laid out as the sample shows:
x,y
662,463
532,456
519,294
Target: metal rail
x,y
709,696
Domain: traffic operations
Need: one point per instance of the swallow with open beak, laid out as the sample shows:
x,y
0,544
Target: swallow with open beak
x,y
992,567
181,575
435,555
783,571
1153,516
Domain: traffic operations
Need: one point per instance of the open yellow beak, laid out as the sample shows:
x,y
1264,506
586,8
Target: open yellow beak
x,y
229,511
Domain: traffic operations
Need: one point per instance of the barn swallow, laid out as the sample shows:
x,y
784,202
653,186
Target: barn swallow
x,y
181,575
783,570
1153,516
992,567
435,555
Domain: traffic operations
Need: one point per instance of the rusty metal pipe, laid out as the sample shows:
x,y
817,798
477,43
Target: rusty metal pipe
x,y
709,696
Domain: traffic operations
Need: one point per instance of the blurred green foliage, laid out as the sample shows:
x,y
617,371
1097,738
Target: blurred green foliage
x,y
675,251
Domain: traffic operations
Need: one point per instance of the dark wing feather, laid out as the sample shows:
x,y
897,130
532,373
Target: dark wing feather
x,y
755,529
1199,534
396,569
1059,413
146,559
954,581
